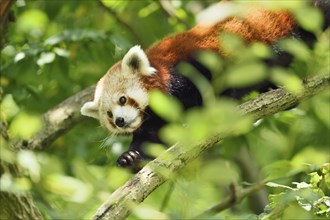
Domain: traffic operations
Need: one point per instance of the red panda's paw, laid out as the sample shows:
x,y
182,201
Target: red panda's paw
x,y
131,158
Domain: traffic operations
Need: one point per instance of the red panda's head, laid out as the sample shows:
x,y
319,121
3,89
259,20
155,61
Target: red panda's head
x,y
120,96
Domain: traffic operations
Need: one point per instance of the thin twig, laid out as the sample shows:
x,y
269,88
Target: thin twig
x,y
236,196
4,130
251,173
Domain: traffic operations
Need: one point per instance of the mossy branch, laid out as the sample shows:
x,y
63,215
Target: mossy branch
x,y
159,170
58,120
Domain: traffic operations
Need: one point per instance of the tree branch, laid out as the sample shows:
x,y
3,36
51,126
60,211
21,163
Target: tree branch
x,y
14,205
279,100
58,120
157,171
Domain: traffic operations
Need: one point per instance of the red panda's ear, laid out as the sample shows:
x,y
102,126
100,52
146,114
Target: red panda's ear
x,y
90,109
137,61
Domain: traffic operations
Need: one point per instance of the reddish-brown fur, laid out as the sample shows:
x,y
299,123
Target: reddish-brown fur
x,y
259,25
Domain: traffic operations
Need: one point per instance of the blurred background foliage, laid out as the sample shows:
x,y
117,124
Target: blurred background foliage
x,y
56,48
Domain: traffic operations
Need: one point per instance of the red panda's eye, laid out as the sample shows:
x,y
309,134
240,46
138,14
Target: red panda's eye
x,y
109,113
122,100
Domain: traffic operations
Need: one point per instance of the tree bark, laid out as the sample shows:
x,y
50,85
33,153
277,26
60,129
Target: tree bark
x,y
15,206
58,120
157,171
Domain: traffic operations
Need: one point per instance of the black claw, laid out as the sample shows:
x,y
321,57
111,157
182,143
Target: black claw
x,y
134,154
122,162
129,158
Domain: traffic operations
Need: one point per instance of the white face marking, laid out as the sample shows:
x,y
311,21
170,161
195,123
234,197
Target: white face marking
x,y
127,117
120,97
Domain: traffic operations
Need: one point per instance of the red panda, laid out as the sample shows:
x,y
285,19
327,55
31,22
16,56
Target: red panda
x,y
122,94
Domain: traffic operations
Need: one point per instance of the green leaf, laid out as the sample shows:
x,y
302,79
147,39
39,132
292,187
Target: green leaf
x,y
280,169
310,155
245,75
297,48
210,60
167,107
19,56
116,177
200,81
46,58
232,43
294,211
8,107
33,22
172,133
321,107
315,178
28,160
25,125
261,50
302,185
148,212
276,185
70,188
290,81
149,9
309,18
154,149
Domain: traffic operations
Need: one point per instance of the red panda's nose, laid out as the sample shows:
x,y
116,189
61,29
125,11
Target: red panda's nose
x,y
120,122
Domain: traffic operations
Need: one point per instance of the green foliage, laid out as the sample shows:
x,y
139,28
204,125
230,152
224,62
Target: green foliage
x,y
309,18
57,48
167,107
200,124
304,200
